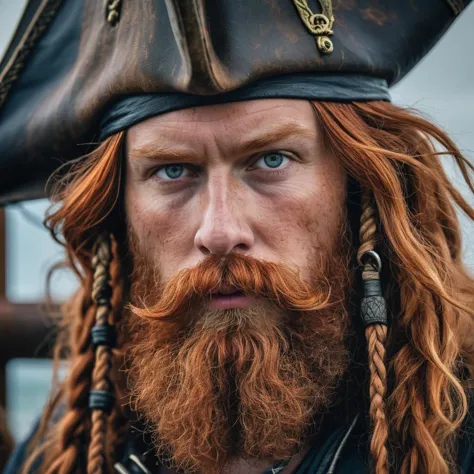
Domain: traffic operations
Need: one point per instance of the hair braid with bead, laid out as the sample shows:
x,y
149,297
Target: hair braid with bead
x,y
376,335
101,397
88,194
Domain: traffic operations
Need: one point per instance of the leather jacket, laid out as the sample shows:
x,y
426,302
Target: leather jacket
x,y
339,448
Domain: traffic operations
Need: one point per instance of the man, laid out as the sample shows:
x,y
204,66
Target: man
x,y
268,250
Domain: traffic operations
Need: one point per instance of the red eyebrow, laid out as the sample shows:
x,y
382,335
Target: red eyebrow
x,y
273,136
160,152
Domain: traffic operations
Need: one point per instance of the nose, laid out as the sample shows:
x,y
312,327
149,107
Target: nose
x,y
223,227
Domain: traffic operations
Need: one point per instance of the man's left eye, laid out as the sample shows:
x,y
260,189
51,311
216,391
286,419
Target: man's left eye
x,y
272,160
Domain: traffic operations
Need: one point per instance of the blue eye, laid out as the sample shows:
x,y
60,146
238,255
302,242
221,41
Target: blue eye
x,y
272,160
170,172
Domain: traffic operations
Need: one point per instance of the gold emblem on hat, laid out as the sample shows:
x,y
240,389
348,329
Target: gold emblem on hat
x,y
112,11
319,24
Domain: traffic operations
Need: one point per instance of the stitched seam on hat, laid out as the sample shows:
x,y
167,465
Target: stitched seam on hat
x,y
177,27
41,20
217,71
456,5
205,45
192,27
23,39
12,37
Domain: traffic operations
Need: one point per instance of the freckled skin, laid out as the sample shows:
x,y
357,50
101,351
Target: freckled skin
x,y
227,204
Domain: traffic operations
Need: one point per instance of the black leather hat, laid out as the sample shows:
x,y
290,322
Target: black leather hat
x,y
77,71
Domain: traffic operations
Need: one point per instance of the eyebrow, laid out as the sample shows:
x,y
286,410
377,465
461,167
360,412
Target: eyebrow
x,y
160,152
291,130
163,152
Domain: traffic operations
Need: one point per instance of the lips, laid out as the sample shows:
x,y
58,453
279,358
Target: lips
x,y
228,297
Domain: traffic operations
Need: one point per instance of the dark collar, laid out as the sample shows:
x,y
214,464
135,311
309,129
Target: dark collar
x,y
323,457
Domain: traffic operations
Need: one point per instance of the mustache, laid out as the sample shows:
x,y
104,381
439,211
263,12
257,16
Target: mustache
x,y
253,277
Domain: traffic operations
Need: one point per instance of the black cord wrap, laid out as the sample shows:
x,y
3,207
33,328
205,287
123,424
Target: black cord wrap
x,y
101,400
104,336
372,288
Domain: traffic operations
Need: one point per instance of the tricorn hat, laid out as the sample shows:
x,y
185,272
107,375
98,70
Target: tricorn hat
x,y
77,71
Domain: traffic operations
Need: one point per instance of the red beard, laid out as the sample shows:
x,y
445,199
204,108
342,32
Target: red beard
x,y
216,384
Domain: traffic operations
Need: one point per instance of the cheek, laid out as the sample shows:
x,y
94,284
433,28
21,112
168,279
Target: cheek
x,y
162,231
305,218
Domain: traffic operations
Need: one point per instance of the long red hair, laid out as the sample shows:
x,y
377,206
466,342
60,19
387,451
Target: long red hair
x,y
387,151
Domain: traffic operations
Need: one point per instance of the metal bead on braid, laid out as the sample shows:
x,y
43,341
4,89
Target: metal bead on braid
x,y
101,397
373,307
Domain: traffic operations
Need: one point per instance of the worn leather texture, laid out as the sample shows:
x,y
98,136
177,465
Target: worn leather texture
x,y
128,111
81,64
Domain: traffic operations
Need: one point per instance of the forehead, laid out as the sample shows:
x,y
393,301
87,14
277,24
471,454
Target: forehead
x,y
226,121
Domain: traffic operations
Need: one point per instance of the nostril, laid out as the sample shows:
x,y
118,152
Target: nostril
x,y
243,247
204,250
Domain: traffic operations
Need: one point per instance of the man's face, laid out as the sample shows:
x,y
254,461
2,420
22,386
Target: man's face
x,y
239,276
251,177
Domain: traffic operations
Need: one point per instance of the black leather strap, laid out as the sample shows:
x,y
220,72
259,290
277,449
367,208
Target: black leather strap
x,y
331,87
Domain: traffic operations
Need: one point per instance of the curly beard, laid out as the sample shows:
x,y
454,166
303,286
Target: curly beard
x,y
212,385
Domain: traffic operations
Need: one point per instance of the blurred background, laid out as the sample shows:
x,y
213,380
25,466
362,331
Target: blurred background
x,y
441,87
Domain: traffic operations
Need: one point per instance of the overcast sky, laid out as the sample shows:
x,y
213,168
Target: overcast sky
x,y
441,86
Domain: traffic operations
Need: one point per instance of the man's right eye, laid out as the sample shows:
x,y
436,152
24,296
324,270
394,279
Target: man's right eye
x,y
172,172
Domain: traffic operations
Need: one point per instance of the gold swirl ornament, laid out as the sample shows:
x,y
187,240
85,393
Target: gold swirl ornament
x,y
112,11
318,24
